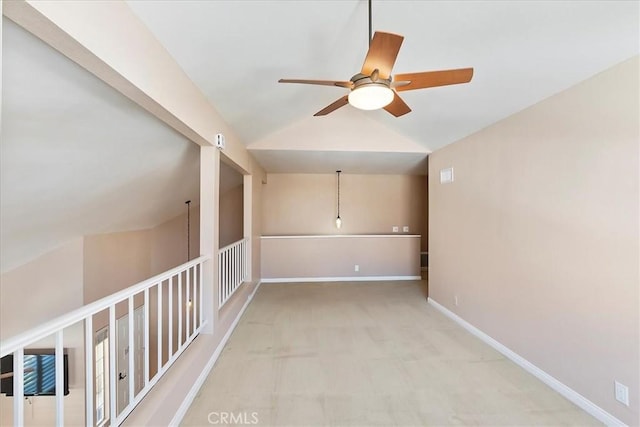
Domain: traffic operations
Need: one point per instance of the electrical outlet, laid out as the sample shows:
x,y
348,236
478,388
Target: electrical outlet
x,y
356,267
395,229
622,393
455,300
405,229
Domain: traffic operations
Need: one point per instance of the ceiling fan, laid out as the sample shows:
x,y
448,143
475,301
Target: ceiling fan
x,y
374,87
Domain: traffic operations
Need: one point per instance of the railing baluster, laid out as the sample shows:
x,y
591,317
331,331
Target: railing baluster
x,y
223,278
180,311
233,268
170,321
200,270
193,299
247,260
188,307
113,385
159,319
226,275
18,387
88,371
59,357
132,372
219,283
234,284
146,337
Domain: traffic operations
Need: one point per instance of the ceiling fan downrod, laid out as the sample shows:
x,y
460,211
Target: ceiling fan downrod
x,y
370,26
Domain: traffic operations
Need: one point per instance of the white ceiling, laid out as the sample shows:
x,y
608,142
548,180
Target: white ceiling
x,y
522,52
78,158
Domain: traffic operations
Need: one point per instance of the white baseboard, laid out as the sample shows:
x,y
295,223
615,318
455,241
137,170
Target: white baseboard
x,y
188,400
572,395
339,279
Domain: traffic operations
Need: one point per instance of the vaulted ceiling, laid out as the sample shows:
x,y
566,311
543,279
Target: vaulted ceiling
x,y
79,158
522,52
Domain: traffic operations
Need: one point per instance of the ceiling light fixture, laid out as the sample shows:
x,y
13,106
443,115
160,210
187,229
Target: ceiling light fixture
x,y
371,96
338,219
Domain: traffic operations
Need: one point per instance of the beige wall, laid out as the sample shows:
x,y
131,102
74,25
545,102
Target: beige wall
x,y
49,286
369,204
543,217
231,215
169,241
336,257
115,261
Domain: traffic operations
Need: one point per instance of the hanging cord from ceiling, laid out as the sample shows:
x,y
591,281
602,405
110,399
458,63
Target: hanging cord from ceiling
x,y
188,203
338,219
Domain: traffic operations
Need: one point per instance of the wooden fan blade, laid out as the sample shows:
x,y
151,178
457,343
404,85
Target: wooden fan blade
x,y
318,82
433,78
332,107
397,107
382,54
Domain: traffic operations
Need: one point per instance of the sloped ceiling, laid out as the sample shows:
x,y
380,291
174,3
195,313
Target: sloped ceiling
x,y
77,157
522,52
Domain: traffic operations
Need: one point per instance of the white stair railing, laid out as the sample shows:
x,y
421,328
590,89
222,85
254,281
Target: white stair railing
x,y
233,268
185,320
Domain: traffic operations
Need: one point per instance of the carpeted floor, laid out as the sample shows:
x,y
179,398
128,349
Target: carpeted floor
x,y
366,354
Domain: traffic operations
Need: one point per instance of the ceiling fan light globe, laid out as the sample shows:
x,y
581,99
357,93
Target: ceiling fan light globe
x,y
371,96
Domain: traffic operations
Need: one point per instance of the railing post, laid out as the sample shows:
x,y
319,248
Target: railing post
x,y
248,221
209,244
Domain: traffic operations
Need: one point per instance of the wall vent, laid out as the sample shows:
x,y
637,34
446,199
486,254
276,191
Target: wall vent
x,y
446,175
